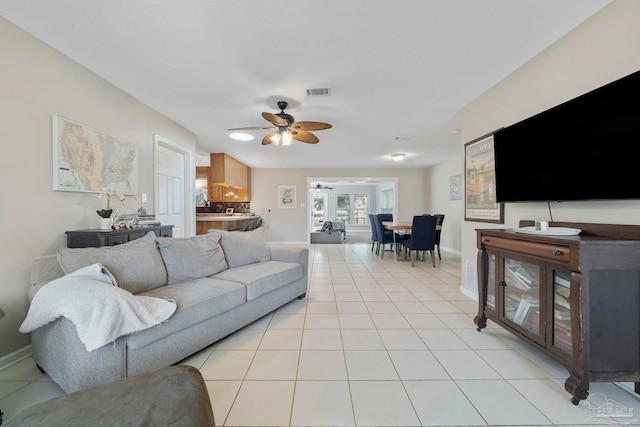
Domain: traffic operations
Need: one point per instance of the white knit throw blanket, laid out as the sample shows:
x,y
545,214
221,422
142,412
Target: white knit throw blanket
x,y
100,310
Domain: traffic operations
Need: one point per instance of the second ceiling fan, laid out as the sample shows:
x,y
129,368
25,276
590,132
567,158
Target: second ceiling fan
x,y
287,128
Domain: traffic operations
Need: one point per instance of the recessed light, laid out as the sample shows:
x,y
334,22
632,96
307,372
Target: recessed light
x,y
403,138
240,136
397,156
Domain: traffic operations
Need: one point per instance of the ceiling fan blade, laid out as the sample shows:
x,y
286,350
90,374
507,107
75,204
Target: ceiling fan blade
x,y
267,139
278,121
311,126
304,136
253,128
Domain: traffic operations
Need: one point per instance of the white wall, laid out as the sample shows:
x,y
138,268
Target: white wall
x,y
603,49
290,225
440,201
38,82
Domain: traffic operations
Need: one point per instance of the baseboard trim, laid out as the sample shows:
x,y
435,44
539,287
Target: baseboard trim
x,y
15,357
469,293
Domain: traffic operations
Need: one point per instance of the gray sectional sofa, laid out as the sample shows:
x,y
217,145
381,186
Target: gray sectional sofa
x,y
220,281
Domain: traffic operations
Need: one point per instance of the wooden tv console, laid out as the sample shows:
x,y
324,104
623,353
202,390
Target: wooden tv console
x,y
575,298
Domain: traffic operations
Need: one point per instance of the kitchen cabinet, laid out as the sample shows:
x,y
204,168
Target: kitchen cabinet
x,y
575,298
225,175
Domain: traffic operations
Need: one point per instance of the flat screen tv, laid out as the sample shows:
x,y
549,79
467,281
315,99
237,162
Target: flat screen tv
x,y
584,149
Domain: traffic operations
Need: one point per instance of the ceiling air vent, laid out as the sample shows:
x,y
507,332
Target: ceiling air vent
x,y
319,91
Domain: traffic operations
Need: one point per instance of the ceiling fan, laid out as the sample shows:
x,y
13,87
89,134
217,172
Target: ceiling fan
x,y
288,128
322,187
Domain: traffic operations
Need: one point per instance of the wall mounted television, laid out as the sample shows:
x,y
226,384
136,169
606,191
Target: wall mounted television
x,y
583,149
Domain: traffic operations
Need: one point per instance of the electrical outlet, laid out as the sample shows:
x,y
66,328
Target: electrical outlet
x,y
144,197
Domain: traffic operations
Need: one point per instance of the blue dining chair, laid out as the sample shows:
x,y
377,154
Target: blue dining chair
x,y
385,237
423,237
439,221
374,234
389,217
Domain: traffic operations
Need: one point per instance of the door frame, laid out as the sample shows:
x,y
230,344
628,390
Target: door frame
x,y
329,179
189,178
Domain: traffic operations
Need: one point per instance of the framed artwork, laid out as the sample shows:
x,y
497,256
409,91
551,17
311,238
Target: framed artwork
x,y
480,182
89,160
455,187
287,196
229,211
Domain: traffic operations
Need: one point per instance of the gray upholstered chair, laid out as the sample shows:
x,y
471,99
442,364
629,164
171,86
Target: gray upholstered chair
x,y
175,396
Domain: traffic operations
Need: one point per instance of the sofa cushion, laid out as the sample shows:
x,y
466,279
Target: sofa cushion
x,y
243,247
188,258
136,265
197,300
263,277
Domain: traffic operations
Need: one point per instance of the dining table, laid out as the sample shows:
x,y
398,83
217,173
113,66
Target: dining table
x,y
400,226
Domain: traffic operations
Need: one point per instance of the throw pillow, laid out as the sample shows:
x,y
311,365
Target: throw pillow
x,y
189,258
244,247
136,265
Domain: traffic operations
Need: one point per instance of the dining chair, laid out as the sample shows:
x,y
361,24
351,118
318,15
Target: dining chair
x,y
423,235
385,237
439,221
374,234
386,216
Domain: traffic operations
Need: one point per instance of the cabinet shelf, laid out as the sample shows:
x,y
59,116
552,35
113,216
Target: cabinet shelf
x,y
575,298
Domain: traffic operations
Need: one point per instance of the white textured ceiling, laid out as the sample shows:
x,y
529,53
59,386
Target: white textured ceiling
x,y
397,68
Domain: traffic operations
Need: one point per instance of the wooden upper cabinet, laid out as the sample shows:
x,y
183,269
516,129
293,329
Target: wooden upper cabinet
x,y
202,177
226,172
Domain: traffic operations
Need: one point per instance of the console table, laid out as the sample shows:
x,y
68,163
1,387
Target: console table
x,y
98,237
575,298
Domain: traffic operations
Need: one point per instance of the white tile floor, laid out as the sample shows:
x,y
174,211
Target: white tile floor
x,y
375,343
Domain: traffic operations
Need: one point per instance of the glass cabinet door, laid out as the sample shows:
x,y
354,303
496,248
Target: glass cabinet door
x,y
491,282
561,313
521,295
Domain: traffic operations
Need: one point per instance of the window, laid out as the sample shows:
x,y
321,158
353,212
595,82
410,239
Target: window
x,y
361,210
387,200
352,208
319,208
343,207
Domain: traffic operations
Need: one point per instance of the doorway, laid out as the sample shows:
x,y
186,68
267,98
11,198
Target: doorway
x,y
349,199
170,168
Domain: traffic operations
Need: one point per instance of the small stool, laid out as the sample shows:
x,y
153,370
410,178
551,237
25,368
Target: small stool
x,y
175,396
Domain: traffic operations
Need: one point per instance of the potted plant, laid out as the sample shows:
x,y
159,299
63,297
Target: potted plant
x,y
105,214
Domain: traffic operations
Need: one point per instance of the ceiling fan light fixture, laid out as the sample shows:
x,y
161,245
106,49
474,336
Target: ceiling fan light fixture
x,y
287,138
287,128
397,156
241,136
275,138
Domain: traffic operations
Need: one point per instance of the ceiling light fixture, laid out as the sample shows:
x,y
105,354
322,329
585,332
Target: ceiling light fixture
x,y
282,136
241,136
397,156
231,193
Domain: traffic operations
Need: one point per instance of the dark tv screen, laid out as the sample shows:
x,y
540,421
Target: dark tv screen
x,y
583,149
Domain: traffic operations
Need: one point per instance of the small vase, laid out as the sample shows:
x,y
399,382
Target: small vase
x,y
105,223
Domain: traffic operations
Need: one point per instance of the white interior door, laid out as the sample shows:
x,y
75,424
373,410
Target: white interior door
x,y
170,187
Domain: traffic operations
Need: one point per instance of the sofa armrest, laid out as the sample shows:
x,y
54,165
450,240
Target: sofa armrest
x,y
43,270
295,254
286,253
